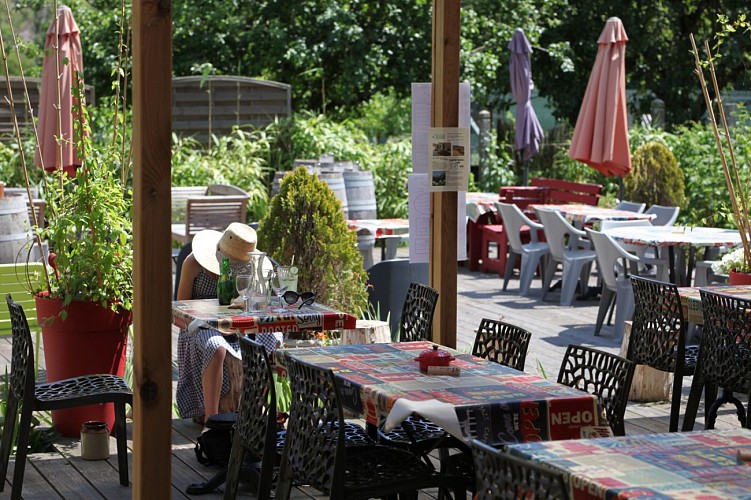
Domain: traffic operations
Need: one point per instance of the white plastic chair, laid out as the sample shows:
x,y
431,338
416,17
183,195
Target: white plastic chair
x,y
616,282
531,253
666,216
631,206
564,242
648,255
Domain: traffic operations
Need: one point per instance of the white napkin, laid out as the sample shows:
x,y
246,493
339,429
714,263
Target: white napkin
x,y
442,414
195,325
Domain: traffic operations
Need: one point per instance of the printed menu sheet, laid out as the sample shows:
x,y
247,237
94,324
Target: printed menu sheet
x,y
449,159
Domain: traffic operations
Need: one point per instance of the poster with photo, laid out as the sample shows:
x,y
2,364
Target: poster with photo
x,y
449,159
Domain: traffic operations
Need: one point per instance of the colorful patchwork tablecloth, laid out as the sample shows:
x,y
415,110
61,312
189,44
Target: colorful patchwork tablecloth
x,y
688,465
680,236
691,299
380,227
582,214
493,403
212,315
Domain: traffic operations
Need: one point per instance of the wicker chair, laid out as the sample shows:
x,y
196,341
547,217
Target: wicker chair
x,y
603,374
417,313
658,336
501,342
315,453
724,360
501,475
60,395
257,432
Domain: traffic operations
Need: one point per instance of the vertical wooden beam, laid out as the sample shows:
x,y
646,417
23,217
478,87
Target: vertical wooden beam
x,y
443,206
152,360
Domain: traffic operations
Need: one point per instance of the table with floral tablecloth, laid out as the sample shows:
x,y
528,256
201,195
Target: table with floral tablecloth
x,y
583,214
687,465
488,401
210,314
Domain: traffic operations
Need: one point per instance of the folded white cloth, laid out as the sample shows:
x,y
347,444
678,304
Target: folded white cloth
x,y
438,412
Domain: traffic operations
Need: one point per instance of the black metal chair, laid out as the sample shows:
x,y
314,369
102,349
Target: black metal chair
x,y
502,342
416,434
658,336
501,475
417,313
257,431
69,393
603,374
315,451
724,360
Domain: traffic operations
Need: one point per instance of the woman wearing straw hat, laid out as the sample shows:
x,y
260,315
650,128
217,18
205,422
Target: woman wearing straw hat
x,y
202,379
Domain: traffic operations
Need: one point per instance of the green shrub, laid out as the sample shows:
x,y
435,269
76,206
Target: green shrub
x,y
238,159
392,165
655,177
305,221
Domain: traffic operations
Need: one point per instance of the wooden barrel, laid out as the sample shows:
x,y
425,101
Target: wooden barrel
x,y
335,181
361,199
14,227
275,184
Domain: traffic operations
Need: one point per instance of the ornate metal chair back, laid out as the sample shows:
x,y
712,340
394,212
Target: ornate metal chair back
x,y
502,342
501,475
603,374
417,314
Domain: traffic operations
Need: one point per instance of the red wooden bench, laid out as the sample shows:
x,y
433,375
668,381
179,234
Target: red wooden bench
x,y
561,192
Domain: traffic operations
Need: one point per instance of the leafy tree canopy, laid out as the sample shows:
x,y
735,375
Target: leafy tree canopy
x,y
336,54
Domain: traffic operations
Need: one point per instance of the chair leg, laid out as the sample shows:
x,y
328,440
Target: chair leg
x,y
693,401
675,405
122,442
606,298
549,273
21,450
284,481
11,416
510,261
233,471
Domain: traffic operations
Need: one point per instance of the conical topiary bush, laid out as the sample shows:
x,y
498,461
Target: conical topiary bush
x,y
305,220
655,177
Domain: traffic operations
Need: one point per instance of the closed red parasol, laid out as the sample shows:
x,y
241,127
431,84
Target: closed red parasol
x,y
56,140
601,134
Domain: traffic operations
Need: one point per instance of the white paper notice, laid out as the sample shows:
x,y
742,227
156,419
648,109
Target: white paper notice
x,y
449,159
421,106
419,220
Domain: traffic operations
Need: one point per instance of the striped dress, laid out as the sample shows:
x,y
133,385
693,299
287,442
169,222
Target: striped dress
x,y
194,352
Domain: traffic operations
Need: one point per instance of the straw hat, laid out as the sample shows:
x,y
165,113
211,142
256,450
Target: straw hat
x,y
235,242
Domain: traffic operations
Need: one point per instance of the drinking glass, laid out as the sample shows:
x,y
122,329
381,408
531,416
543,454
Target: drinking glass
x,y
288,277
278,286
242,282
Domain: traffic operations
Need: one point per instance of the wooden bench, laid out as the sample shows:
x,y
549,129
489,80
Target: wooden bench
x,y
13,281
561,192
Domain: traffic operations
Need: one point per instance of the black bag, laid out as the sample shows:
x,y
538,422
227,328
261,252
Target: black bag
x,y
214,446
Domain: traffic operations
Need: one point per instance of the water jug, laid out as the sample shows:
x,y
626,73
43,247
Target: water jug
x,y
258,289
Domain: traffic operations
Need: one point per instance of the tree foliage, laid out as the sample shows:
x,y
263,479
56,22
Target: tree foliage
x,y
658,59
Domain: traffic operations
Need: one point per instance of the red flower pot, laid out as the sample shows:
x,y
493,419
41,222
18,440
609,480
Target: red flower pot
x,y
736,278
91,340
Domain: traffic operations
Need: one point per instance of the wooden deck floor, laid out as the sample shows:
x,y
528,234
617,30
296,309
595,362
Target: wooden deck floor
x,y
63,474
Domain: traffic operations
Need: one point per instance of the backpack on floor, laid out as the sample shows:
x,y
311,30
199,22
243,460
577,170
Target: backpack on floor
x,y
213,447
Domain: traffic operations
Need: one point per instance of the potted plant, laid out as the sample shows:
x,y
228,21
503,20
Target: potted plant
x,y
85,299
737,264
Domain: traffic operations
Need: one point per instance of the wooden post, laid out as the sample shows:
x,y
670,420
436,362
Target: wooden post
x,y
152,360
443,206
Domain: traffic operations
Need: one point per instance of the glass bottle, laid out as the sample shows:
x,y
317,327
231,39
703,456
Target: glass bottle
x,y
258,290
225,288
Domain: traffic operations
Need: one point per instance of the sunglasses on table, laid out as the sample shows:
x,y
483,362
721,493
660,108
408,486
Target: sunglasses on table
x,y
290,297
